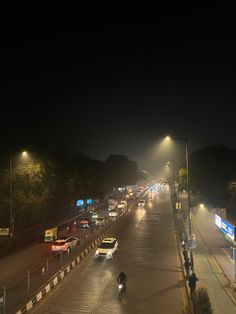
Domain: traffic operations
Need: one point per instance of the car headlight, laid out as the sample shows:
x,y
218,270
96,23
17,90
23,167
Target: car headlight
x,y
97,252
109,254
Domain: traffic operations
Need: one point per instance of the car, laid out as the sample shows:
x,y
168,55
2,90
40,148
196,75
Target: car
x,y
107,248
122,205
113,214
65,244
86,223
141,203
100,221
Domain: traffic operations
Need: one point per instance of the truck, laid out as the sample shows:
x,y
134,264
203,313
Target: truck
x,y
50,235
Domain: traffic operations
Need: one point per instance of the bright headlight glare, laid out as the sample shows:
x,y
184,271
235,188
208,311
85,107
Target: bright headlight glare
x,y
109,254
97,252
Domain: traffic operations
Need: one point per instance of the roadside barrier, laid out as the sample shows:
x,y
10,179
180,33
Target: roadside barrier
x,y
41,280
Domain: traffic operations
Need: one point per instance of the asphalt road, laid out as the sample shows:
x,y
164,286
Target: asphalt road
x,y
14,267
147,253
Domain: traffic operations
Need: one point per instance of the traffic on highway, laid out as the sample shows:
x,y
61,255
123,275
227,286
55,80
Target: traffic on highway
x,y
133,270
24,271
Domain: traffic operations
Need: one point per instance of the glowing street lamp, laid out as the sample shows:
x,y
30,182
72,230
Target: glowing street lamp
x,y
11,218
168,138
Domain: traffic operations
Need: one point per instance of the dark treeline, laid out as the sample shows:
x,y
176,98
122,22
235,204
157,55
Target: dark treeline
x,y
213,174
46,186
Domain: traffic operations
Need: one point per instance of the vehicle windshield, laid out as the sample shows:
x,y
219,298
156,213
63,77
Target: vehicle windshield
x,y
104,245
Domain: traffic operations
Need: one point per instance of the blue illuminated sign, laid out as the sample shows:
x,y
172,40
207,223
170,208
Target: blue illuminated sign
x,y
225,227
89,201
228,229
79,202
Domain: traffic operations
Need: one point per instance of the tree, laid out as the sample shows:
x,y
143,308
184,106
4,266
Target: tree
x,y
182,178
232,190
201,302
120,171
33,189
211,171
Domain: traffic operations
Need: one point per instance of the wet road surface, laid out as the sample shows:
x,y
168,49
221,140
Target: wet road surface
x,y
148,255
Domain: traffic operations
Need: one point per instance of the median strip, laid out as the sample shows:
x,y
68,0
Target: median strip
x,y
60,275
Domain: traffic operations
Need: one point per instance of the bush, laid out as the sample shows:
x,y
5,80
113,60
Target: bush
x,y
201,302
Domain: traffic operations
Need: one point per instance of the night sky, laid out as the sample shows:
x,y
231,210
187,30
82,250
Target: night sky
x,y
98,86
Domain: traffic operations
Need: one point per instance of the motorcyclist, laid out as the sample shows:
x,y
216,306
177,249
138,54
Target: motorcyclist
x,y
122,278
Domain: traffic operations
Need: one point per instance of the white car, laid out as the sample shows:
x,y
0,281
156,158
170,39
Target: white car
x,y
65,244
100,221
141,203
107,248
122,205
112,213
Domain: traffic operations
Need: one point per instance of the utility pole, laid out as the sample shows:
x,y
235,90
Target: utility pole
x,y
11,222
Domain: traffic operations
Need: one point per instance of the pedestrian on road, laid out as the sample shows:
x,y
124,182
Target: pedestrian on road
x,y
185,254
192,283
187,264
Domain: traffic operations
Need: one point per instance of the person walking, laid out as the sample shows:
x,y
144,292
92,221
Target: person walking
x,y
185,254
187,264
192,283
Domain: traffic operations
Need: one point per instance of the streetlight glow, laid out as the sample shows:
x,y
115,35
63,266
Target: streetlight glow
x,y
24,154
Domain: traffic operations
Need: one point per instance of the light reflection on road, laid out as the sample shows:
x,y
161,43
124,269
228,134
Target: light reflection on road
x,y
140,213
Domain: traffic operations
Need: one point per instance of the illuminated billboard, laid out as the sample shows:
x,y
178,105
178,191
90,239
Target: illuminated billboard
x,y
79,202
218,221
225,227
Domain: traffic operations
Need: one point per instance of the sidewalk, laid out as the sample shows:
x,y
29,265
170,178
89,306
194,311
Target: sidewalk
x,y
212,263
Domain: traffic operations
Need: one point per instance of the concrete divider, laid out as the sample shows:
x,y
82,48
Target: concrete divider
x,y
58,277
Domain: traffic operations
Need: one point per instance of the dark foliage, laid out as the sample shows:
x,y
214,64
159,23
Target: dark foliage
x,y
47,186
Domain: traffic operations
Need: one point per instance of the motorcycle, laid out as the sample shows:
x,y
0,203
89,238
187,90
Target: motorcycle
x,y
121,289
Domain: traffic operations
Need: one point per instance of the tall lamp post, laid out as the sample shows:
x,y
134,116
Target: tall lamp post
x,y
11,218
11,200
188,188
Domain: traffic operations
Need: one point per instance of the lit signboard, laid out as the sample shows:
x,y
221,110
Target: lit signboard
x,y
79,202
228,229
225,227
218,221
89,201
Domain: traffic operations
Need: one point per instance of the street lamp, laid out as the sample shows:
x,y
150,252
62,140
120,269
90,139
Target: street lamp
x,y
168,138
11,218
